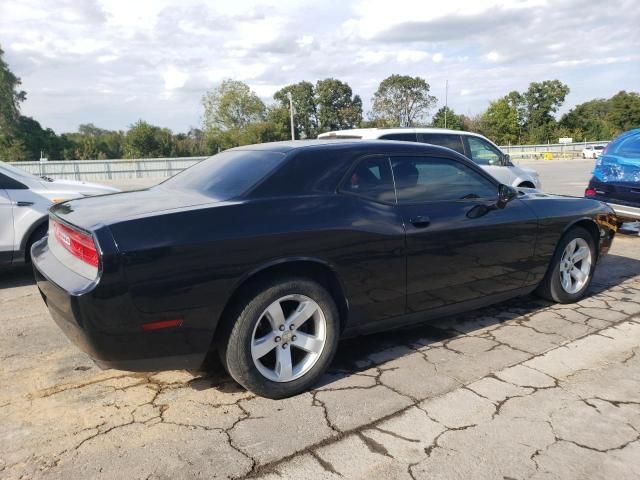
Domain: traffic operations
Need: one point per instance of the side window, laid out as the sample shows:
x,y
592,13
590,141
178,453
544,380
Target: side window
x,y
483,153
405,137
9,183
454,142
426,179
372,179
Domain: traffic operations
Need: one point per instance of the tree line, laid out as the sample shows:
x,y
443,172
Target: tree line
x,y
234,115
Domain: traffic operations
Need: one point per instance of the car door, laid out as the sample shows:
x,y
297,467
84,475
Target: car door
x,y
459,245
489,158
6,226
372,265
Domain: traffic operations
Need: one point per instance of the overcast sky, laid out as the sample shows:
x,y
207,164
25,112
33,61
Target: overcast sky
x,y
111,62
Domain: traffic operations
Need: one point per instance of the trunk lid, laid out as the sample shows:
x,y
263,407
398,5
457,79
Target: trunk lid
x,y
89,212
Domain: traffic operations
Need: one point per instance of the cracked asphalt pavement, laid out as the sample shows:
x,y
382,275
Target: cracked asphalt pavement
x,y
523,389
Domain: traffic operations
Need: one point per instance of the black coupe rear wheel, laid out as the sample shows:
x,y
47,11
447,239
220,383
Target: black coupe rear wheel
x,y
283,338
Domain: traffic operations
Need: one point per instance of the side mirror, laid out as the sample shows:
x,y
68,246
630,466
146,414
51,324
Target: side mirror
x,y
505,195
506,160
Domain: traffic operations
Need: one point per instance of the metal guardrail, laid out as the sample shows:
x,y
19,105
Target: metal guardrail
x,y
550,147
166,167
109,169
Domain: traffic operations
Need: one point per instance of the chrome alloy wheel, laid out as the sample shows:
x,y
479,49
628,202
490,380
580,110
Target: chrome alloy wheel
x,y
575,265
288,338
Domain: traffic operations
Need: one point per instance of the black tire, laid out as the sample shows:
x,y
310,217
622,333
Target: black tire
x,y
551,286
235,342
36,235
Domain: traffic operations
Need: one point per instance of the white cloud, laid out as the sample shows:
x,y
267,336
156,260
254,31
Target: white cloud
x,y
174,78
305,41
494,56
411,56
112,62
107,58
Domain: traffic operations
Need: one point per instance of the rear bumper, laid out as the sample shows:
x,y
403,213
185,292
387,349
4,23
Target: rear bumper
x,y
625,212
100,318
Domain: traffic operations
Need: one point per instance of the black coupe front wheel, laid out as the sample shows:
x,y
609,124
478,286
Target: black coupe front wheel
x,y
283,338
571,268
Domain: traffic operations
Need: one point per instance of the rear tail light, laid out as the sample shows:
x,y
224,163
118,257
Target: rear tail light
x,y
590,192
74,248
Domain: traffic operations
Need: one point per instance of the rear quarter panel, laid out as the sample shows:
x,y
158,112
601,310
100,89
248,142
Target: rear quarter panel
x,y
558,214
198,257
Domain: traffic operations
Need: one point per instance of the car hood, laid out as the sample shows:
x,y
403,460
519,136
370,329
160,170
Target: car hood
x,y
75,186
89,212
527,170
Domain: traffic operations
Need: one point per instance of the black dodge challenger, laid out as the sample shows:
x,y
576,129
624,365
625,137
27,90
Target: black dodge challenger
x,y
268,254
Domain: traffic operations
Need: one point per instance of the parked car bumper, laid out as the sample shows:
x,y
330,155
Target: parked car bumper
x,y
104,323
625,212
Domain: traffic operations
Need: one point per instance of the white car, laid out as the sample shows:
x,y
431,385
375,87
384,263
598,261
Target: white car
x,y
592,151
473,146
24,203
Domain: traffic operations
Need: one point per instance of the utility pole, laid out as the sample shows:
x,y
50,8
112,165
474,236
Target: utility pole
x,y
446,101
293,132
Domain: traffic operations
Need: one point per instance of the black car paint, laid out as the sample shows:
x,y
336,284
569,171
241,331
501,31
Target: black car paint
x,y
168,254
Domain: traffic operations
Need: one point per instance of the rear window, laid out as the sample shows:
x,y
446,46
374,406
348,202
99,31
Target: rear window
x,y
627,145
454,142
227,174
401,137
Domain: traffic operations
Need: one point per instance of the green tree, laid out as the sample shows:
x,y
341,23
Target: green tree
x,y
542,101
503,121
453,121
10,98
305,110
13,151
587,121
601,119
141,141
625,111
402,101
11,147
338,108
231,105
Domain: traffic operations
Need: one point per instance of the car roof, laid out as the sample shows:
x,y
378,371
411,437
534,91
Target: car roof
x,y
371,133
368,146
288,145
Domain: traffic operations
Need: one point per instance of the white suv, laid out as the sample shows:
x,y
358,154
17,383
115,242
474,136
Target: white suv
x,y
473,146
24,203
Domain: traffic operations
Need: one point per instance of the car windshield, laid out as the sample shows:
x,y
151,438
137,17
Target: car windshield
x,y
599,147
226,175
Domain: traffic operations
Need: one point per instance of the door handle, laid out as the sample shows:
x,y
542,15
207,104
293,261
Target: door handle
x,y
24,204
420,221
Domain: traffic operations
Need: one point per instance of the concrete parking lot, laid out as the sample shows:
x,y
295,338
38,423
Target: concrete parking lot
x,y
523,389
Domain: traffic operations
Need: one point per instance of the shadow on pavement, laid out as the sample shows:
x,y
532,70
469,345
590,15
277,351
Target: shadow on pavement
x,y
16,277
353,354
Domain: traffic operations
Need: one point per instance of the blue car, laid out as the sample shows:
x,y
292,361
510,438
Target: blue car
x,y
616,177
